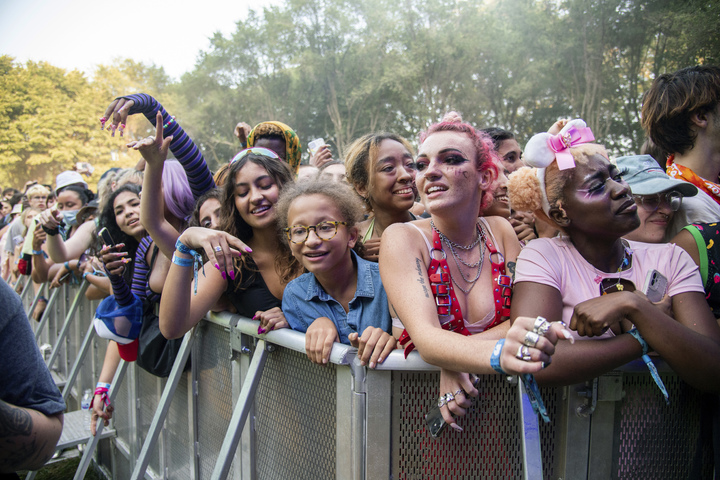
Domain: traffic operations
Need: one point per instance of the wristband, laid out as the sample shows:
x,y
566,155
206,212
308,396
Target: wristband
x,y
495,357
67,265
533,392
102,385
102,390
183,262
39,252
86,274
196,261
51,231
651,366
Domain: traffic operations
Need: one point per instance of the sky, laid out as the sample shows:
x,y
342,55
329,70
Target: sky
x,y
79,34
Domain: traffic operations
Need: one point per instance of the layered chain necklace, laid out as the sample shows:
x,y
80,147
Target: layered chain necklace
x,y
459,260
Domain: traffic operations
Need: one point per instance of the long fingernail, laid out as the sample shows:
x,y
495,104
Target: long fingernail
x,y
261,330
232,275
254,317
217,266
542,365
224,275
248,249
568,335
456,427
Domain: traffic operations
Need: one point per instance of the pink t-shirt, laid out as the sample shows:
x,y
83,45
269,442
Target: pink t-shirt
x,y
556,262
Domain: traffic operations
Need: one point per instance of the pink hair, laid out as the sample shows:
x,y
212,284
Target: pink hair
x,y
485,156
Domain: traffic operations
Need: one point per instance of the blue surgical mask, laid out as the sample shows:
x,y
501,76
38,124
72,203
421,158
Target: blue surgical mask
x,y
69,217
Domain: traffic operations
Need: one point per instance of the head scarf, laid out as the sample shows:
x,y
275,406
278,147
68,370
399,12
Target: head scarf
x,y
293,148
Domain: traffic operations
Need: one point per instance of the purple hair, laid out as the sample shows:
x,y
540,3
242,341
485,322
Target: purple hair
x,y
176,190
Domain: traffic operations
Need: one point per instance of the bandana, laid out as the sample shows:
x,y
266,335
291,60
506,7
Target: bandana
x,y
293,148
681,172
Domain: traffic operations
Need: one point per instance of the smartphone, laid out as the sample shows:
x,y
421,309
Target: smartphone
x,y
315,144
106,237
655,286
435,422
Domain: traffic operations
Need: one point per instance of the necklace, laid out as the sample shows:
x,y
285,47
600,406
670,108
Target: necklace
x,y
624,265
458,260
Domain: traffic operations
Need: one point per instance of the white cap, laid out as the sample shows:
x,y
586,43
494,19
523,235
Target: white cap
x,y
68,177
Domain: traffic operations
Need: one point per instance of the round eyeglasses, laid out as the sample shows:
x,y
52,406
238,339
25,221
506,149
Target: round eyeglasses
x,y
652,202
324,231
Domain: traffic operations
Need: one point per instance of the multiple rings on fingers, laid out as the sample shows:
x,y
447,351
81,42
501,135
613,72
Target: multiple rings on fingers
x,y
523,353
447,398
218,248
541,326
531,339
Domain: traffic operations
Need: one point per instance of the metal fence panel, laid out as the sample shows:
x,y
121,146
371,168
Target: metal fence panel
x,y
212,352
488,447
178,442
655,440
295,418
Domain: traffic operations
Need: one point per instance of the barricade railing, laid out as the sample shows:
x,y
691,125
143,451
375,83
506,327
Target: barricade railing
x,y
253,406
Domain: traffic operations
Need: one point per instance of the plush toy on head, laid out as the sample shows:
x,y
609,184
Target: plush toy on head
x,y
529,188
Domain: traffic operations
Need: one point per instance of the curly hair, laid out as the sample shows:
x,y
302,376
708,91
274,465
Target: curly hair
x,y
108,220
351,209
362,155
232,222
673,99
485,156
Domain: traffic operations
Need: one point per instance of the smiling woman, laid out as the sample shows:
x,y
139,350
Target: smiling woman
x,y
590,277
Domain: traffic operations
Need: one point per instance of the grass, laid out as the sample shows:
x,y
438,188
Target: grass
x,y
64,470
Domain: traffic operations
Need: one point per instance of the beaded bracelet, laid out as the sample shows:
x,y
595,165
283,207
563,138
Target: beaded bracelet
x,y
495,357
196,261
170,122
651,366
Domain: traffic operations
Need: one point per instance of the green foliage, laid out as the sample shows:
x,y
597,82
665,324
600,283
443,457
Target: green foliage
x,y
338,69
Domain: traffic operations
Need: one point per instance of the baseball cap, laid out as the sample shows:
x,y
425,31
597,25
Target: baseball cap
x,y
68,177
646,177
120,324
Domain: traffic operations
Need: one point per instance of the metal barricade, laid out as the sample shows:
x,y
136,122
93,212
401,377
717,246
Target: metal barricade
x,y
348,422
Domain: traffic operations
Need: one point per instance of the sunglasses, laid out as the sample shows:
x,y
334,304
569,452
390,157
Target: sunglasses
x,y
673,200
257,151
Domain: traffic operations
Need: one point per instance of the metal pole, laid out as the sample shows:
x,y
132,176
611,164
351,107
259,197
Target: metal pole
x,y
66,325
240,413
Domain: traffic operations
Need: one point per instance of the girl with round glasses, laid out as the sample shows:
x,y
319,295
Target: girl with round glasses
x,y
658,197
341,298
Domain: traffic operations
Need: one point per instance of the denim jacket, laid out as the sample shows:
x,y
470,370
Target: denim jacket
x,y
305,300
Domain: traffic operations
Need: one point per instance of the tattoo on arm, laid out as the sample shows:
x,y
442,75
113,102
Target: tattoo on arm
x,y
420,279
511,269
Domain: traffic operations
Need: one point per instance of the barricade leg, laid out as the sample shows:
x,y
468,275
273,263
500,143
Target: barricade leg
x,y
162,410
93,442
59,342
44,318
240,412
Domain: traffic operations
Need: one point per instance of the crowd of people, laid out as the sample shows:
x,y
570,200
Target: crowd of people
x,y
479,255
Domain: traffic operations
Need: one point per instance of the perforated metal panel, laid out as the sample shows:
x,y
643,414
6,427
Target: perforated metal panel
x,y
488,447
657,440
149,390
214,403
178,442
295,418
549,433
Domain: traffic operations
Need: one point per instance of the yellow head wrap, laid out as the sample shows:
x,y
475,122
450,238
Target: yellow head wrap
x,y
293,148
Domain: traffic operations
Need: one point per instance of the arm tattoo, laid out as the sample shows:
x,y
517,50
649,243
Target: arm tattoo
x,y
18,445
14,421
511,269
420,279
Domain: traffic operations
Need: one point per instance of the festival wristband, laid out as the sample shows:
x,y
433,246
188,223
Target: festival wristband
x,y
195,262
651,366
102,385
495,357
67,265
183,262
39,252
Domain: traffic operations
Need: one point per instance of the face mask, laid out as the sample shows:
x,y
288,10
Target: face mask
x,y
69,217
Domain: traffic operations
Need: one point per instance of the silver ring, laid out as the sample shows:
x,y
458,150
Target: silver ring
x,y
459,391
523,353
541,326
531,339
218,248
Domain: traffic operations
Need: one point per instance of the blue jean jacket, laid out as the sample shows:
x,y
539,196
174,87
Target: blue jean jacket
x,y
304,301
